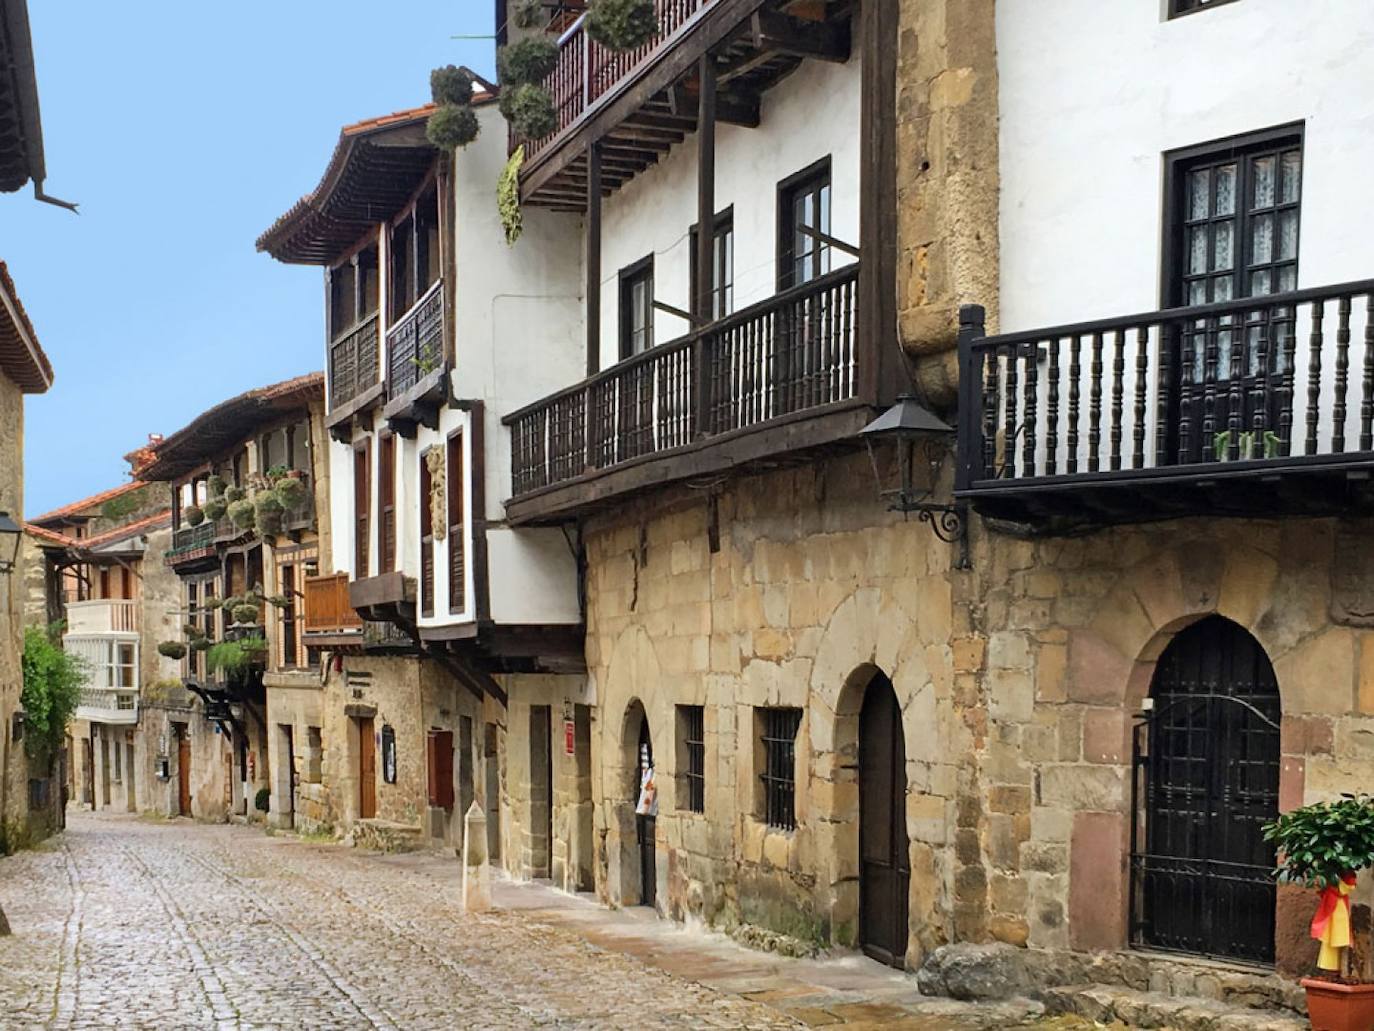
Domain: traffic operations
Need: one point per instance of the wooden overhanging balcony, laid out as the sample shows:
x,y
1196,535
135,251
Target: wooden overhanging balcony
x,y
1241,408
328,613
784,375
192,544
417,371
638,104
354,370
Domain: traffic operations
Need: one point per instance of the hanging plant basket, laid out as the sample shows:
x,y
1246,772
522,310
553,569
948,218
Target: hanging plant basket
x,y
529,110
210,603
172,650
525,61
232,494
215,508
622,24
508,196
191,630
292,493
241,514
451,85
253,645
193,515
215,485
201,644
246,614
452,126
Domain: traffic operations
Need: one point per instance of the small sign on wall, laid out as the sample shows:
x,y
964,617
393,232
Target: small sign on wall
x,y
569,736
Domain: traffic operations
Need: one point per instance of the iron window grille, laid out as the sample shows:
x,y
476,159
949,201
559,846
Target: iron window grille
x,y
779,741
693,719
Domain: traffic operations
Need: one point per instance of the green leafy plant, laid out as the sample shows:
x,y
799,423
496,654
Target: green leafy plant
x,y
529,110
172,649
200,644
210,603
215,508
52,688
529,14
452,126
261,800
622,24
193,515
192,630
116,510
233,657
215,485
279,601
527,60
253,647
1320,842
232,602
292,492
242,514
246,614
232,494
451,86
508,196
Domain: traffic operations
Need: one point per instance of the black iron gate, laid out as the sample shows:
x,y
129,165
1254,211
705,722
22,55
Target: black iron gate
x,y
645,833
1205,781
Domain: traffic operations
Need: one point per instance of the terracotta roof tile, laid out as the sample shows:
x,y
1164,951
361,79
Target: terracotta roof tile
x,y
77,508
152,522
20,353
51,536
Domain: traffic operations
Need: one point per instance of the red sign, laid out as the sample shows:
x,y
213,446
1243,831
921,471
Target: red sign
x,y
569,731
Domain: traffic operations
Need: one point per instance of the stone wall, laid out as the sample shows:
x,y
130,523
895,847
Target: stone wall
x,y
13,768
294,700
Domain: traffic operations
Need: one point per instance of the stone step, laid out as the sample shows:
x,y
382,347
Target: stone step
x,y
1140,1009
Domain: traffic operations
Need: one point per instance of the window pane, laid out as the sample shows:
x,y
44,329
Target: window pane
x,y
1221,288
1288,278
1226,190
1199,193
1262,237
1197,291
1292,175
1259,282
1197,261
1288,235
1221,246
1263,172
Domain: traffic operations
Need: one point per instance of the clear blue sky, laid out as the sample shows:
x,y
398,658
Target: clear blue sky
x,y
184,129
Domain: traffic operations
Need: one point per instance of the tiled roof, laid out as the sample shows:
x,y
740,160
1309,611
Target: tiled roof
x,y
21,132
78,508
21,357
51,536
119,533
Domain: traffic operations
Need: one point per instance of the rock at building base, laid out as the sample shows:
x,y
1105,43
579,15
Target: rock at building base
x,y
476,873
4,925
1107,1005
771,941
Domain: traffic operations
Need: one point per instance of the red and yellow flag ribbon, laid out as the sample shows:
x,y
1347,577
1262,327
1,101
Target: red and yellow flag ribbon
x,y
1331,925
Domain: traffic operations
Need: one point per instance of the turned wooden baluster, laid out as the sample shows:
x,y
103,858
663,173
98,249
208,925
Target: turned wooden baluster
x,y
1259,407
1075,370
1164,389
1142,368
1314,375
1095,405
1235,408
1118,395
990,409
1290,359
1367,382
1029,439
1342,375
1052,413
1009,444
1210,361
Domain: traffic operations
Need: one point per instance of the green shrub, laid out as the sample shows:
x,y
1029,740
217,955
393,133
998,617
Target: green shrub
x,y
452,126
215,508
451,85
232,494
622,24
172,649
242,514
528,60
200,644
529,110
193,515
215,485
246,614
292,493
508,196
1319,842
52,688
261,800
529,14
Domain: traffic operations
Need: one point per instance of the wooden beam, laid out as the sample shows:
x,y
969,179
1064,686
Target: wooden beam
x,y
593,258
706,222
882,371
780,33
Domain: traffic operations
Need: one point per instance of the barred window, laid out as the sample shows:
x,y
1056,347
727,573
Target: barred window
x,y
692,734
779,741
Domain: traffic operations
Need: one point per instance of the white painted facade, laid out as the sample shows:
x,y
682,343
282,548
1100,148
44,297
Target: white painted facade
x,y
1093,97
810,115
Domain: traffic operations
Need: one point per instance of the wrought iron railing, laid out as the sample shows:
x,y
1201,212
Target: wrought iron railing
x,y
1257,380
353,366
587,71
415,344
793,352
192,538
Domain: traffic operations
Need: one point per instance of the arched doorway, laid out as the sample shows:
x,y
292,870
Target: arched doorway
x,y
1206,759
884,851
642,791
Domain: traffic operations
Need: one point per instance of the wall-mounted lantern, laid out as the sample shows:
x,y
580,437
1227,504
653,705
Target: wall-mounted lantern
x,y
10,533
916,435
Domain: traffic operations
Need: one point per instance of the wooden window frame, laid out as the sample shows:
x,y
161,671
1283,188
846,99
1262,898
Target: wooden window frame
x,y
814,176
362,505
1177,165
387,529
636,272
456,513
722,226
414,212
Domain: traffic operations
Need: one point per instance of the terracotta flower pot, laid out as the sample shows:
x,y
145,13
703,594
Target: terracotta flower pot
x,y
1332,1006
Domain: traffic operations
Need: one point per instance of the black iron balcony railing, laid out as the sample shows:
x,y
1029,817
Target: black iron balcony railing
x,y
415,344
1256,382
353,366
192,538
587,71
793,352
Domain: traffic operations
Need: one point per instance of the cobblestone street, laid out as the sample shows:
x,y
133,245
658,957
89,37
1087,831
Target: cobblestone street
x,y
126,922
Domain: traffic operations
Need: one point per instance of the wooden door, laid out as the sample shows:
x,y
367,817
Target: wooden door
x,y
367,769
884,859
184,774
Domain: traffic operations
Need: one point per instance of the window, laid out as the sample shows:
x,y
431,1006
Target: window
x,y
353,291
415,253
1178,7
362,501
778,737
457,537
386,501
290,629
637,308
426,539
126,665
803,210
691,721
722,266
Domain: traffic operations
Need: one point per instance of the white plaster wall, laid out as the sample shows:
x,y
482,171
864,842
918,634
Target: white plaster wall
x,y
1092,94
340,510
533,577
809,115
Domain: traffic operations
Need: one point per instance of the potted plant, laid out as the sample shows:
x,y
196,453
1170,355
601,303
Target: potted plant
x,y
172,649
1324,846
214,509
242,514
292,492
246,614
193,514
622,24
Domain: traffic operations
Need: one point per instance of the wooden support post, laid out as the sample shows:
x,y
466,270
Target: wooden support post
x,y
706,224
878,346
593,259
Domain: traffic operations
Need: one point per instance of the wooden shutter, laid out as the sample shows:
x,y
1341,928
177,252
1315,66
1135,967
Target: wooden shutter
x,y
439,761
457,537
362,501
386,501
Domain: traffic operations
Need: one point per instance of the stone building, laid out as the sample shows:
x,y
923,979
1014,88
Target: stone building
x,y
24,369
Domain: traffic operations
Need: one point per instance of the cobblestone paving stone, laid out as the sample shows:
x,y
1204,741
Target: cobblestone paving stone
x,y
129,923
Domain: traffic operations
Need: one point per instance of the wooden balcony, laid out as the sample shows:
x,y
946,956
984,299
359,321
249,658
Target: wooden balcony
x,y
1242,408
354,370
102,616
417,370
783,375
191,544
327,608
